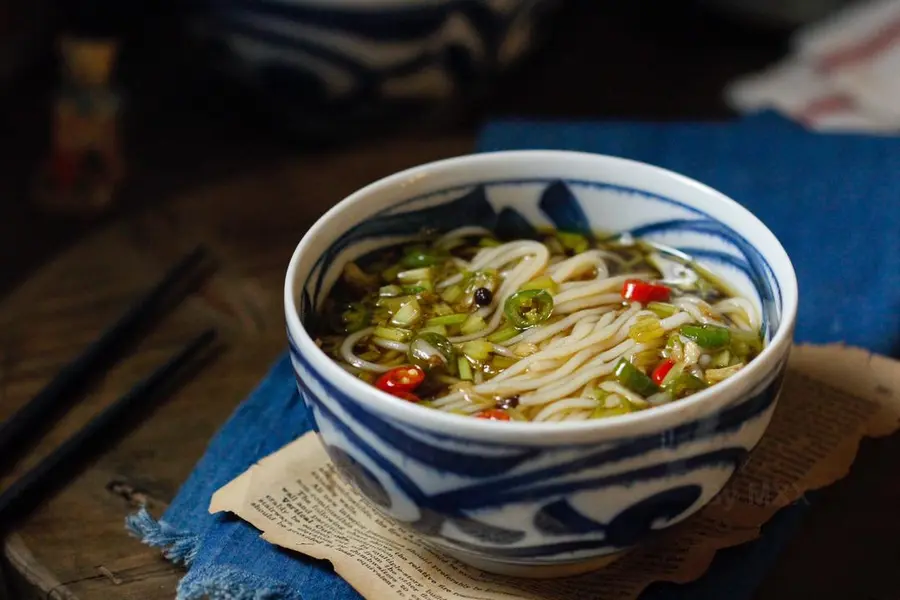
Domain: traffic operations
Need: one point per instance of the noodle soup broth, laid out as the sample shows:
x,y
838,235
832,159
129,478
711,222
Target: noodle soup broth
x,y
563,327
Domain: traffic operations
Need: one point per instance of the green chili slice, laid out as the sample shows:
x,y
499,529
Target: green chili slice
x,y
707,336
528,308
421,257
430,350
630,377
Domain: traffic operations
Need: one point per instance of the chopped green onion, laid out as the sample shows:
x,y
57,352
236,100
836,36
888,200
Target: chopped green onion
x,y
599,394
452,293
391,333
418,287
575,242
465,370
487,242
673,374
528,308
477,349
716,375
502,362
408,314
420,257
601,412
645,358
515,414
442,309
674,348
430,350
455,319
390,274
414,275
544,282
507,333
646,329
390,291
472,324
707,336
684,384
553,245
350,317
438,329
487,278
630,377
744,343
393,304
662,309
721,359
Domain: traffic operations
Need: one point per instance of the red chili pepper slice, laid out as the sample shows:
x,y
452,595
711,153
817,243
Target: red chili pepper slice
x,y
408,396
401,379
493,414
661,370
644,292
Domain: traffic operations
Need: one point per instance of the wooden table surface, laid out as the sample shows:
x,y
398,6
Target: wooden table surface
x,y
197,178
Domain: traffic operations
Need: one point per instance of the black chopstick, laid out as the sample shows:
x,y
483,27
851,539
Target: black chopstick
x,y
24,425
25,492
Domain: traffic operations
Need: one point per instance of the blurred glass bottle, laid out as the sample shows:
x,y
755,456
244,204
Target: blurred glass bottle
x,y
84,166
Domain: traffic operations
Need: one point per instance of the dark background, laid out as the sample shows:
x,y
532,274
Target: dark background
x,y
603,59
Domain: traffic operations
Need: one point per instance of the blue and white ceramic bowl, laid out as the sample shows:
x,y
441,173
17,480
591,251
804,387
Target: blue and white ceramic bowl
x,y
346,65
542,499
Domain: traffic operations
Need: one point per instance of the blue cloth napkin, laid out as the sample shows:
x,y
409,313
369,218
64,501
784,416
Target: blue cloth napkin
x,y
833,201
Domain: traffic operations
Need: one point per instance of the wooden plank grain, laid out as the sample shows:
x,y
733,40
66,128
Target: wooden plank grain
x,y
75,545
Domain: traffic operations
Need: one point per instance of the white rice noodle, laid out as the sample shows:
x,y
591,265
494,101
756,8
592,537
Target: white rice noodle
x,y
740,306
608,300
503,351
354,360
540,334
565,405
579,264
689,305
578,415
466,231
595,286
561,386
617,388
677,320
390,344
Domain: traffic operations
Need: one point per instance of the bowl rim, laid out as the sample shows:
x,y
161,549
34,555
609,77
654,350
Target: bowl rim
x,y
660,418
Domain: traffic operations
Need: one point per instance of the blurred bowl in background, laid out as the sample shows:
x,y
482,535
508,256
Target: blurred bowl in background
x,y
341,67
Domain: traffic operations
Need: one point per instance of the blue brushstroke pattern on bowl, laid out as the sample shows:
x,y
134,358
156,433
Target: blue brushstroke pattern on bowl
x,y
349,64
518,505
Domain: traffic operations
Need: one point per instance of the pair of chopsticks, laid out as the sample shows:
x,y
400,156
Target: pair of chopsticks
x,y
23,427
